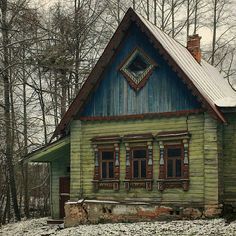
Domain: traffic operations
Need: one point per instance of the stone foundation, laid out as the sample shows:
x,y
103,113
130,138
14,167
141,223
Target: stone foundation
x,y
93,212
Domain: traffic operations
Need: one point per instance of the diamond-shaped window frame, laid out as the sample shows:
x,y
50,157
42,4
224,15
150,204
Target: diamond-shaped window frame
x,y
137,82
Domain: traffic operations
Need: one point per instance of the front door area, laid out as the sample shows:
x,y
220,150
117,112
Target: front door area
x,y
64,194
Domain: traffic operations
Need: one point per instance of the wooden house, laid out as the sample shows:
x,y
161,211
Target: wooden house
x,y
153,124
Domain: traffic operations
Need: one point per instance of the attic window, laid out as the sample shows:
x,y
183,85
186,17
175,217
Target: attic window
x,y
137,69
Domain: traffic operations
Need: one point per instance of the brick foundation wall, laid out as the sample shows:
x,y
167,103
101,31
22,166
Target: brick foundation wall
x,y
93,212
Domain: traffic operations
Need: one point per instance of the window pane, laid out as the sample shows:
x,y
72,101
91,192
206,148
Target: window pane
x,y
174,152
170,168
143,169
111,169
135,169
139,153
104,171
107,155
178,168
137,66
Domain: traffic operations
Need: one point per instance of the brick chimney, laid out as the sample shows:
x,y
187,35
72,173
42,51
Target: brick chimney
x,y
193,45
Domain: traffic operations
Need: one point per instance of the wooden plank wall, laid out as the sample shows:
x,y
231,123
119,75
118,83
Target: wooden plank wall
x,y
163,92
211,165
75,154
59,168
229,157
88,130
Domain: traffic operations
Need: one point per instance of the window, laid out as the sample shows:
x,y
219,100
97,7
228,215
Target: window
x,y
137,68
139,161
174,160
107,164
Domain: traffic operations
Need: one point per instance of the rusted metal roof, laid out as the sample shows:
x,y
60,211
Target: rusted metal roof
x,y
202,79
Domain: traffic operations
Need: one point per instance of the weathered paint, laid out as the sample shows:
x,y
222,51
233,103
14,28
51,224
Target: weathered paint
x,y
229,157
163,92
85,156
211,162
75,157
58,156
59,168
54,151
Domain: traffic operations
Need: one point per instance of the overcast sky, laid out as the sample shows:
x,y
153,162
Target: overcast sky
x,y
205,33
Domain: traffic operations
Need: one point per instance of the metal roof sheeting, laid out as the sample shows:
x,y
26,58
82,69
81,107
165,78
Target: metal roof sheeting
x,y
207,79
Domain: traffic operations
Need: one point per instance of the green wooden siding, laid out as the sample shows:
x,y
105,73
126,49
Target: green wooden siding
x,y
211,164
229,149
82,155
75,153
58,169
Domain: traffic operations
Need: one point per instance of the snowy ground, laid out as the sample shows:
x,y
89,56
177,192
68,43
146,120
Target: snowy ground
x,y
38,227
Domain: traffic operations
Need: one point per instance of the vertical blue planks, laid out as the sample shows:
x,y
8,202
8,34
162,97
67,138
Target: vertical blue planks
x,y
163,92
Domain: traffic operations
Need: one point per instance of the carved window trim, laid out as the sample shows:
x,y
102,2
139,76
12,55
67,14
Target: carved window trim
x,y
101,144
139,141
171,139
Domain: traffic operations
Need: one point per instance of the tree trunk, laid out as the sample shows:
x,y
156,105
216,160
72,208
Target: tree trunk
x,y
25,133
7,105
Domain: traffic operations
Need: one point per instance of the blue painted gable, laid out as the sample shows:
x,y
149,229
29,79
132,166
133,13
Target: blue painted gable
x,y
163,92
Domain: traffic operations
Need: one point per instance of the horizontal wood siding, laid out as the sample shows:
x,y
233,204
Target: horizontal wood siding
x,y
211,162
229,157
75,155
193,123
220,162
163,92
58,169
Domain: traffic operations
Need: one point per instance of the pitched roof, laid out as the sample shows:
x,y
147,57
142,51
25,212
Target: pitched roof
x,y
203,80
205,77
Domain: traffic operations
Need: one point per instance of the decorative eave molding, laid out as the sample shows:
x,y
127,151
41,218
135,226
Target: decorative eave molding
x,y
112,139
137,137
173,135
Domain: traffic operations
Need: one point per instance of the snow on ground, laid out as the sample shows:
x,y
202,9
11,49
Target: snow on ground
x,y
39,227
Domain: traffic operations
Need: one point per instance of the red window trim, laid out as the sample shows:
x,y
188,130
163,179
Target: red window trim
x,y
164,181
166,146
130,181
106,183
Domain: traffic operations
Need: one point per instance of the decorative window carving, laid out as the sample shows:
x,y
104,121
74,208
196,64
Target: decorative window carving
x,y
106,162
174,160
139,161
137,68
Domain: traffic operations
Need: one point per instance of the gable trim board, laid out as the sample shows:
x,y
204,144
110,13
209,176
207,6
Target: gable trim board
x,y
142,116
199,88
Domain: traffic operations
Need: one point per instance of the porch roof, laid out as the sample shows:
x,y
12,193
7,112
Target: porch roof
x,y
50,152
